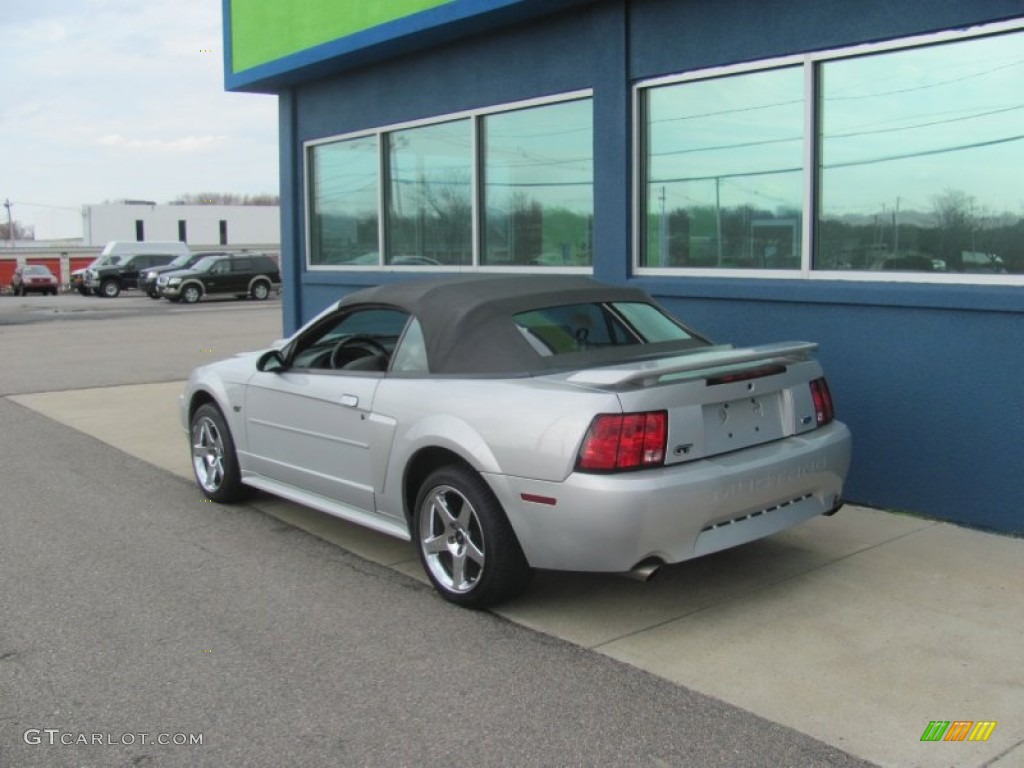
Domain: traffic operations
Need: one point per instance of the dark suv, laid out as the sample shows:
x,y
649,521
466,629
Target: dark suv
x,y
147,279
109,280
243,274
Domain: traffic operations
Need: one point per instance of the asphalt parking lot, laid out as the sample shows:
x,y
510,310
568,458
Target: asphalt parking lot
x,y
132,607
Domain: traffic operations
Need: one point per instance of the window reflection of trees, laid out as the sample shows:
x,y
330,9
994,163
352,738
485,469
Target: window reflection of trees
x,y
917,162
432,223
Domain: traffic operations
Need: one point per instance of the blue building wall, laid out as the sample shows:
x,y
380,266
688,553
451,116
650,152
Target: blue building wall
x,y
929,377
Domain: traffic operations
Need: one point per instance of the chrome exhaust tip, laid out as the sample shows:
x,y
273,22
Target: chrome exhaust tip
x,y
644,571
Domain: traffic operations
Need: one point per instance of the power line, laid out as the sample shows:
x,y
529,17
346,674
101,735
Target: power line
x,y
847,164
44,205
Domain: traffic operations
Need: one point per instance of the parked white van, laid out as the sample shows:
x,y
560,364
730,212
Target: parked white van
x,y
123,247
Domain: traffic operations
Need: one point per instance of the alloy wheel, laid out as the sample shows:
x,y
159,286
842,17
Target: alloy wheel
x,y
451,538
208,454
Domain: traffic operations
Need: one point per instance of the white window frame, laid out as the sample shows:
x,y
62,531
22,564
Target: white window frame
x,y
810,63
475,117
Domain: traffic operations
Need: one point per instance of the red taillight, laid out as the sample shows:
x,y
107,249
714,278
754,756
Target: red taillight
x,y
624,441
823,410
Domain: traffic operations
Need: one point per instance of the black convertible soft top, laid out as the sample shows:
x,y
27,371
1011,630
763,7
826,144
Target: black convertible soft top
x,y
468,327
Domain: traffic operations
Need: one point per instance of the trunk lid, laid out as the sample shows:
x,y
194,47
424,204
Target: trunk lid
x,y
718,399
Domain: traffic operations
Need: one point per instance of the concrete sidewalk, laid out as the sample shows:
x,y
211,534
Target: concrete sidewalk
x,y
858,629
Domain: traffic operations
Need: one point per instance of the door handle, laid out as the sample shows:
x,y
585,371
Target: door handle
x,y
349,401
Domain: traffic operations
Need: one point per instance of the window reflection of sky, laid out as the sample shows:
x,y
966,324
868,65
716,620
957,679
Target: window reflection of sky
x,y
930,137
913,123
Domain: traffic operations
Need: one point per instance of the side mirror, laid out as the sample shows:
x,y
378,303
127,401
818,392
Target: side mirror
x,y
270,361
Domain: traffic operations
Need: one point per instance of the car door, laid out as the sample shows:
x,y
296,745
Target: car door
x,y
217,278
130,273
241,273
311,426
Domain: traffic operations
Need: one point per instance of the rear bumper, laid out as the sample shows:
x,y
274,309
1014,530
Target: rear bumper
x,y
612,522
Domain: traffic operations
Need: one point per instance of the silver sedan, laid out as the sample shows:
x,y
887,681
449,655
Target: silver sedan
x,y
507,423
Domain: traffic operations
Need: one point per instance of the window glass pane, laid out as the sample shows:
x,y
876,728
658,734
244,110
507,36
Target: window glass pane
x,y
538,173
317,349
430,195
577,327
411,355
723,175
343,202
921,155
650,323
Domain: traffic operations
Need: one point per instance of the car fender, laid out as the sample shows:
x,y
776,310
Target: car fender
x,y
443,432
192,281
450,433
227,392
257,278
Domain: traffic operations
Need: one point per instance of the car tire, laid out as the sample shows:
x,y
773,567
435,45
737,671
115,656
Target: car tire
x,y
465,543
190,294
214,459
260,290
83,290
110,289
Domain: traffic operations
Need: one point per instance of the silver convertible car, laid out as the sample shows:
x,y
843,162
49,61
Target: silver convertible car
x,y
507,423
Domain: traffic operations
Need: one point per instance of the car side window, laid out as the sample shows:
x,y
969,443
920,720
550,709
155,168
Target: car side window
x,y
241,265
362,339
220,268
411,354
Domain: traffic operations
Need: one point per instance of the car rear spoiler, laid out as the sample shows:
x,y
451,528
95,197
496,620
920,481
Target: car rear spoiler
x,y
648,372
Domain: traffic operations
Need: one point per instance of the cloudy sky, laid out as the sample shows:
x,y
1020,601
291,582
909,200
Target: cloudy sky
x,y
114,99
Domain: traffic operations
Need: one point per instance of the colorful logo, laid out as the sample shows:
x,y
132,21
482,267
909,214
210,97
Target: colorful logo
x,y
958,730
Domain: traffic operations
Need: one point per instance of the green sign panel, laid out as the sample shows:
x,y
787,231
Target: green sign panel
x,y
264,31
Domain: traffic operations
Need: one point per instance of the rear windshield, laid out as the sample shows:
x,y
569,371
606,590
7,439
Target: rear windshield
x,y
579,327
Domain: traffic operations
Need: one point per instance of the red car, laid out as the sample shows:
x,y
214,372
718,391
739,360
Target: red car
x,y
33,277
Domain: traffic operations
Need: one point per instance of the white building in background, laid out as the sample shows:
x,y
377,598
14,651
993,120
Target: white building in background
x,y
198,225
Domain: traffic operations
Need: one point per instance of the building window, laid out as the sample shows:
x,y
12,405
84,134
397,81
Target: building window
x,y
182,231
505,187
343,198
920,158
429,183
223,232
895,161
723,170
538,183
140,231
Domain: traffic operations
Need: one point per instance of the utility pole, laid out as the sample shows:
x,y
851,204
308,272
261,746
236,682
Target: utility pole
x,y
10,223
662,232
896,228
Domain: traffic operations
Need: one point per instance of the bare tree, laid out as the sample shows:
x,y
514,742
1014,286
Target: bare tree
x,y
226,198
21,232
955,218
